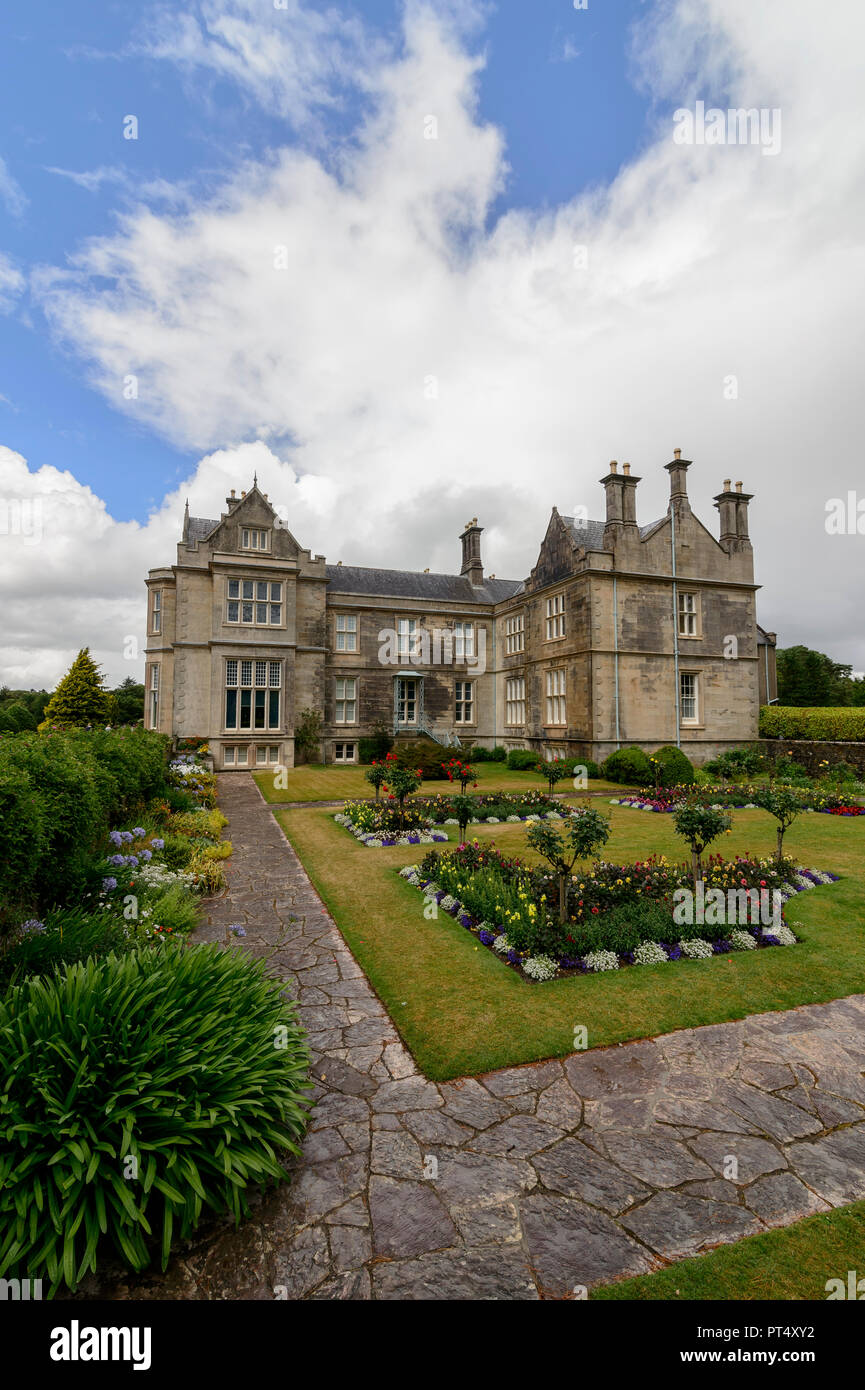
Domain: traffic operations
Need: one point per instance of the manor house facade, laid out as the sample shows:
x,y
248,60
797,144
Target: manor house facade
x,y
621,635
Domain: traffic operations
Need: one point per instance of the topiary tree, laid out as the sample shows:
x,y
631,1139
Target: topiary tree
x,y
80,698
699,825
672,766
463,807
554,771
584,833
377,774
458,771
784,804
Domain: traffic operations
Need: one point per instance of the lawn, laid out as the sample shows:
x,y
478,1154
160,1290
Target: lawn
x,y
325,782
793,1263
461,1011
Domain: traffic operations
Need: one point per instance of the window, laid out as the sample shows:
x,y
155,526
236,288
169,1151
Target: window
x,y
156,611
515,634
464,641
254,540
346,632
464,702
405,638
344,753
689,697
556,697
346,700
228,757
515,700
235,757
154,697
406,701
688,615
555,617
255,602
252,694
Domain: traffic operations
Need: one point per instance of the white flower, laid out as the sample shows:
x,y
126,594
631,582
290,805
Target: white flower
x,y
742,941
511,819
492,820
501,944
696,949
602,960
452,820
540,968
448,902
650,953
784,934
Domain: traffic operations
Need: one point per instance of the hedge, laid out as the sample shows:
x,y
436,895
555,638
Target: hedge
x,y
832,724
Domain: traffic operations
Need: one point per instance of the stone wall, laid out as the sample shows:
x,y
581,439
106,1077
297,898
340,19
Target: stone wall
x,y
811,752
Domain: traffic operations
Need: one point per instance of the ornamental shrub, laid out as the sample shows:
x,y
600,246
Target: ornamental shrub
x,y
174,1082
628,765
80,697
623,928
675,768
522,760
23,835
64,936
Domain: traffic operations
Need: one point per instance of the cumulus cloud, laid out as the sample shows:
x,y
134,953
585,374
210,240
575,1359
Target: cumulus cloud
x,y
404,361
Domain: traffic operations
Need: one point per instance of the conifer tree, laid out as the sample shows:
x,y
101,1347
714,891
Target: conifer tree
x,y
80,697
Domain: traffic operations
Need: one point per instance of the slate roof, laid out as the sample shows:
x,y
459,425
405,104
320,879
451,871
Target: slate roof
x,y
199,527
591,533
455,588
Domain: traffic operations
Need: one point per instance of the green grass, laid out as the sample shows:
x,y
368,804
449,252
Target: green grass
x,y
792,1263
461,1011
325,782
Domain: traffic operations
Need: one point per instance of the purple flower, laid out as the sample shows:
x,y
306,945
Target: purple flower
x,y
720,947
237,930
32,926
768,940
132,860
118,860
514,957
486,938
464,920
116,838
138,830
145,854
158,844
109,884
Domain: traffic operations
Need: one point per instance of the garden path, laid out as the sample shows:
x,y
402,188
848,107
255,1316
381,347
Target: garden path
x,y
525,1183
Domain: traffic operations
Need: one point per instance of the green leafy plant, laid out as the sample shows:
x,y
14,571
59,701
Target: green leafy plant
x,y
554,770
628,765
80,697
784,804
582,834
173,1082
699,826
307,734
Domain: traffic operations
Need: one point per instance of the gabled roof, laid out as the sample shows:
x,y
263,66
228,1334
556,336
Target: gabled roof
x,y
381,583
199,527
591,533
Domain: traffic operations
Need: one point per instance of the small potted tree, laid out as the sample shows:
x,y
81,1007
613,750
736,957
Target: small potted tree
x,y
583,833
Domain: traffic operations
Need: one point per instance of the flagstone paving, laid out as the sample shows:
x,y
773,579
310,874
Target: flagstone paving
x,y
525,1183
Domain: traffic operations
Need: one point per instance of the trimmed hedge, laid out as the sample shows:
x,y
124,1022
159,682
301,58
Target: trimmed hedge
x,y
838,724
677,770
628,765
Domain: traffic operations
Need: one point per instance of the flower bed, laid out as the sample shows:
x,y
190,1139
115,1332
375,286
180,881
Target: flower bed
x,y
725,797
622,913
377,823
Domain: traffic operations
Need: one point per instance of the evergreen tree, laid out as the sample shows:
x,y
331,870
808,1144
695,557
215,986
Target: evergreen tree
x,y
80,697
809,678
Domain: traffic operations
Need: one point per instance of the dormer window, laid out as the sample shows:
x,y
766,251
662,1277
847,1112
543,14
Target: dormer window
x,y
251,539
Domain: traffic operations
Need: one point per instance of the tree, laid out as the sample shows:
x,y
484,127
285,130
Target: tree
x,y
554,771
699,825
401,782
80,698
130,701
809,678
585,831
784,804
377,774
458,771
463,807
18,715
307,733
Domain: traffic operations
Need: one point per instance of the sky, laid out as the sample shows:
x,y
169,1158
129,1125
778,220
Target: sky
x,y
415,262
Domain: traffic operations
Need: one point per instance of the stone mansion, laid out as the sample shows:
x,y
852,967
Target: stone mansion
x,y
621,635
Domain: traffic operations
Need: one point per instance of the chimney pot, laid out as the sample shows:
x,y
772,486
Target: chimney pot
x,y
677,453
738,487
626,469
614,467
727,484
232,492
243,494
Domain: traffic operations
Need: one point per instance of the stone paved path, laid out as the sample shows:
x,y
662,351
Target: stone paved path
x,y
523,1183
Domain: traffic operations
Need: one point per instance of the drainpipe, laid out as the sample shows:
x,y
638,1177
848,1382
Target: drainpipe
x,y
675,625
616,650
495,683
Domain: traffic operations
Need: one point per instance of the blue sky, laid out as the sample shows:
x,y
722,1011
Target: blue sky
x,y
471,324
556,81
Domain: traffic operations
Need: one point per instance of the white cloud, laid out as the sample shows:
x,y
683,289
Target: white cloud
x,y
11,192
413,364
11,284
91,179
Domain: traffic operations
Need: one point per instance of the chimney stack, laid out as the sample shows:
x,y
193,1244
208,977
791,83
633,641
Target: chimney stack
x,y
472,565
614,487
678,471
733,509
629,496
